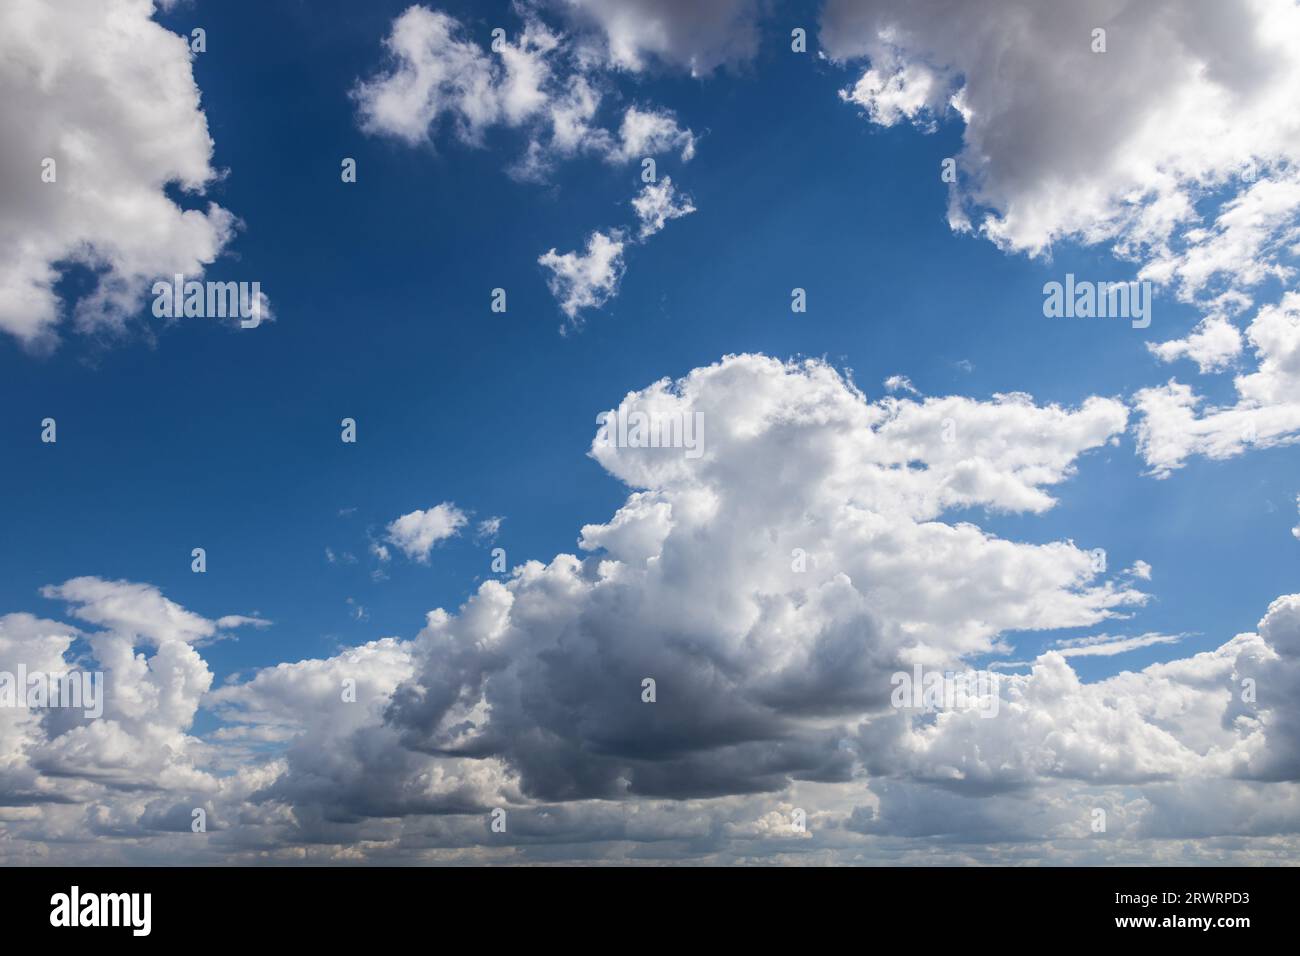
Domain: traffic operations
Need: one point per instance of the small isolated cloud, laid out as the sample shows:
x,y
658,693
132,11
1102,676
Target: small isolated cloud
x,y
589,279
1104,645
1296,530
488,528
900,383
241,620
415,534
650,132
1141,570
657,203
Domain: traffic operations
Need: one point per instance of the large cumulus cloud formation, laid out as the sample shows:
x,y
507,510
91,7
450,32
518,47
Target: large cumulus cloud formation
x,y
770,587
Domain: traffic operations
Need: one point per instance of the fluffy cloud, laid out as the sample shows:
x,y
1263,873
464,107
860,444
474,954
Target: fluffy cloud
x,y
695,36
585,280
1183,720
1266,413
1063,142
141,742
1177,146
546,84
769,603
438,75
1213,345
437,72
770,586
657,203
1243,248
109,96
900,383
588,280
416,533
648,133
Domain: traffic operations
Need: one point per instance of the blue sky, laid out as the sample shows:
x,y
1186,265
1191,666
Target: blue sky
x,y
197,433
210,437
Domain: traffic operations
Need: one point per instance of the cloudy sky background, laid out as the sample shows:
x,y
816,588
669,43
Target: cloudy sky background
x,y
948,459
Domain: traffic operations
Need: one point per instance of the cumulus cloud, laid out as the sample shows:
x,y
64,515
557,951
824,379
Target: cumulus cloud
x,y
696,36
585,280
437,72
437,76
415,534
1173,426
770,604
650,132
588,280
107,95
141,742
769,656
140,612
1063,142
1183,719
1213,345
657,203
546,84
1176,146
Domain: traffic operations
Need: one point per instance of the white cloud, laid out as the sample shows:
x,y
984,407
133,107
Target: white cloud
x,y
1266,413
1175,108
1213,346
540,82
1168,721
773,675
1104,645
534,82
435,72
695,36
149,701
900,383
109,95
1242,248
416,533
589,279
657,203
1182,157
138,611
703,548
649,133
